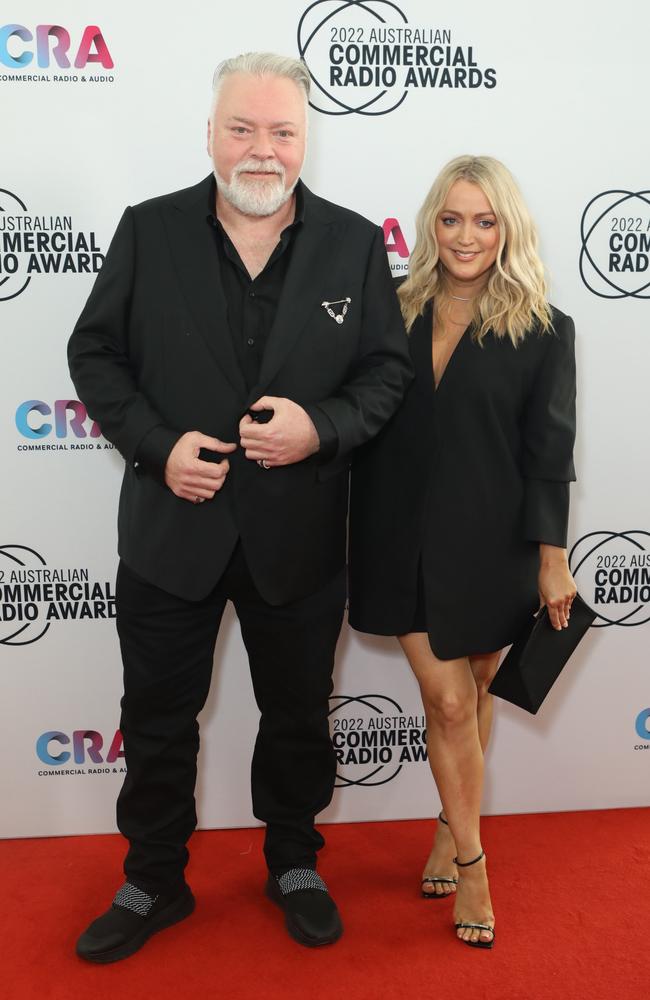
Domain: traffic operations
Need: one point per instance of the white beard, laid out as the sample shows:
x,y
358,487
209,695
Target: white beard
x,y
255,196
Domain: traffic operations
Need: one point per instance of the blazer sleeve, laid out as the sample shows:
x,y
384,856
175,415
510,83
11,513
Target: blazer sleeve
x,y
549,434
98,356
382,369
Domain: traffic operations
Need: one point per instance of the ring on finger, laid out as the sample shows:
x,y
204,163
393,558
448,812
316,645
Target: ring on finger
x,y
199,499
263,464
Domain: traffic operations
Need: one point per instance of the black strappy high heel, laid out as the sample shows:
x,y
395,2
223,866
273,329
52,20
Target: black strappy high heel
x,y
463,925
439,879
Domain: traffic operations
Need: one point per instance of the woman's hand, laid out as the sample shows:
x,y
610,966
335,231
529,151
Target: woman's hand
x,y
556,586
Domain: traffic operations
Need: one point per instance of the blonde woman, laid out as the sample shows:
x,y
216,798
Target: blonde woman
x,y
460,506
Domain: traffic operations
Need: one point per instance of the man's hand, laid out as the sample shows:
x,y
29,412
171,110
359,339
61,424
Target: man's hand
x,y
190,478
288,437
557,587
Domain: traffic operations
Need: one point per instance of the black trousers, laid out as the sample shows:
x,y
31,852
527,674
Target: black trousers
x,y
167,649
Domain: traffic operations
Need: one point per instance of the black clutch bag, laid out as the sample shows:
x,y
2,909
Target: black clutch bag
x,y
534,662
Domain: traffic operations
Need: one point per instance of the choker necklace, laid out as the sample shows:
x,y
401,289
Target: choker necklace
x,y
459,298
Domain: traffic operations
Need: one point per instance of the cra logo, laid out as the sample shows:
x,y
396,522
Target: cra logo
x,y
51,44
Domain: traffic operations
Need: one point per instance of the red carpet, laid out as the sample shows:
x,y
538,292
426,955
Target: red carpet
x,y
571,894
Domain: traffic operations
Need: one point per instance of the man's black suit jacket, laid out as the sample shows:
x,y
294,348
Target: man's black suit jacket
x,y
152,357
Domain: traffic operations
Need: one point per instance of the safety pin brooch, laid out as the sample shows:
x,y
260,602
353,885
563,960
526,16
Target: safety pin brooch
x,y
339,317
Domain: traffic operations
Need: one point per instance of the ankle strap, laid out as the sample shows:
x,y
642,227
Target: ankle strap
x,y
466,864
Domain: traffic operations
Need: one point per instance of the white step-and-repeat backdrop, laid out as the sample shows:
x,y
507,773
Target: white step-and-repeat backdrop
x,y
105,105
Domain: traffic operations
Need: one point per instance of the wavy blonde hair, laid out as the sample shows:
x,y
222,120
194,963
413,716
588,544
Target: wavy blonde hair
x,y
515,297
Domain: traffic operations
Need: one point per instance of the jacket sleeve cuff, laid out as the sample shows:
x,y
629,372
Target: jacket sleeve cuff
x,y
327,434
546,512
153,451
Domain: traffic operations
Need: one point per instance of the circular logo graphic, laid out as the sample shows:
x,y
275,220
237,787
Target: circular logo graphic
x,y
20,622
33,595
44,244
12,276
612,571
373,739
330,41
615,254
364,57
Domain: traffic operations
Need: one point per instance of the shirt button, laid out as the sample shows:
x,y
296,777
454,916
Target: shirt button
x,y
250,341
251,295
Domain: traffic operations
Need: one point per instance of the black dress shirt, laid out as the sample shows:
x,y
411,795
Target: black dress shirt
x,y
252,302
252,305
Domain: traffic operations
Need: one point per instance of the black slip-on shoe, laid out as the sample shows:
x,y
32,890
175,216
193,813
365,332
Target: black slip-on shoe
x,y
120,932
310,913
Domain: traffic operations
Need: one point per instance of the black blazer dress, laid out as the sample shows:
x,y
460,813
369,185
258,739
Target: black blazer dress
x,y
450,502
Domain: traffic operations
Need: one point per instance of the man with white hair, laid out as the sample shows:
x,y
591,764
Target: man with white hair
x,y
242,338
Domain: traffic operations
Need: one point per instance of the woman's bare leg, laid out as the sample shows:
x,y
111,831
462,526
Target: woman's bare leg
x,y
484,667
449,697
440,860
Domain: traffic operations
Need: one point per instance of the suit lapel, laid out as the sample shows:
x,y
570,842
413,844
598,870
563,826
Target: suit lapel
x,y
423,385
195,258
304,286
420,344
